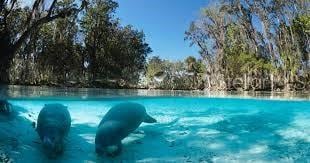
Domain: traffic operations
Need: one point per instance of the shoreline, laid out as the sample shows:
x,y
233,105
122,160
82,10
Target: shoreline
x,y
145,88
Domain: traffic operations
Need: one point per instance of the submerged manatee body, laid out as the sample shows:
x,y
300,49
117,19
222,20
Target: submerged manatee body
x,y
53,125
117,124
5,107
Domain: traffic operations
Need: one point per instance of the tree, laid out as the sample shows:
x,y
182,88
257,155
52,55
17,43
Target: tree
x,y
154,66
301,28
114,52
192,69
12,36
263,40
89,49
209,34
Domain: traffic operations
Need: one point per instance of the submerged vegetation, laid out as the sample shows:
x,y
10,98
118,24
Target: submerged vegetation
x,y
244,45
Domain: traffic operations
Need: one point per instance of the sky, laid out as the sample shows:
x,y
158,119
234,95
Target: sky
x,y
164,23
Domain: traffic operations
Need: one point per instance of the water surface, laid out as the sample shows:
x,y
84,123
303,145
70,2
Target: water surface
x,y
192,127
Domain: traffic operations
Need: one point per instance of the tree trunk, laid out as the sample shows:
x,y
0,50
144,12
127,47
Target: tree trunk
x,y
6,58
208,82
271,82
245,81
286,82
4,75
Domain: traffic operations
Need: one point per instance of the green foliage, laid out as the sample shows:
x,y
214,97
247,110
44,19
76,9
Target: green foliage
x,y
154,66
301,27
238,59
114,52
89,49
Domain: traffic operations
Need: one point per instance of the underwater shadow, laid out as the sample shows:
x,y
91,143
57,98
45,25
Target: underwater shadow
x,y
241,137
16,132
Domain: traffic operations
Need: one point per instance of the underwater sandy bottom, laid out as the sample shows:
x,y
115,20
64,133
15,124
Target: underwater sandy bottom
x,y
188,130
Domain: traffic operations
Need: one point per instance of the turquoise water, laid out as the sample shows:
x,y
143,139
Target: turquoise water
x,y
189,129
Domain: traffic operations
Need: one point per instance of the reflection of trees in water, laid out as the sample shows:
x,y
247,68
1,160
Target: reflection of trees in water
x,y
97,93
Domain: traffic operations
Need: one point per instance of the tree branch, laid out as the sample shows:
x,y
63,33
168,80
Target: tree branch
x,y
48,18
11,8
2,5
41,21
51,8
34,8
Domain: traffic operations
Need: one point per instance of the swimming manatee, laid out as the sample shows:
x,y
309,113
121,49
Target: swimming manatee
x,y
53,125
118,123
5,108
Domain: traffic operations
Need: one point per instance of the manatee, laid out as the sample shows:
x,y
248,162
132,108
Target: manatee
x,y
118,123
53,126
5,108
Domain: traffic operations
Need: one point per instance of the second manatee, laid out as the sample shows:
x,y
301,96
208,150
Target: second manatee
x,y
118,123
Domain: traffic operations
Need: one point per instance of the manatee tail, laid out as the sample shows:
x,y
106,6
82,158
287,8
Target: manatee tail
x,y
149,119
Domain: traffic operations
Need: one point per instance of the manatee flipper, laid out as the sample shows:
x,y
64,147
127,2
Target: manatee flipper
x,y
149,119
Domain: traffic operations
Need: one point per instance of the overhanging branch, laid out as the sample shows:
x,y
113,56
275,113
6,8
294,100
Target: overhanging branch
x,y
39,22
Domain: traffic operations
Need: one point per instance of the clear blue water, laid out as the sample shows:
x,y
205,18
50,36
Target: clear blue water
x,y
189,129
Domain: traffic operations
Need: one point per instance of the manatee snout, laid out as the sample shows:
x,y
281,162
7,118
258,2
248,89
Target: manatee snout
x,y
48,143
112,150
53,145
108,139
